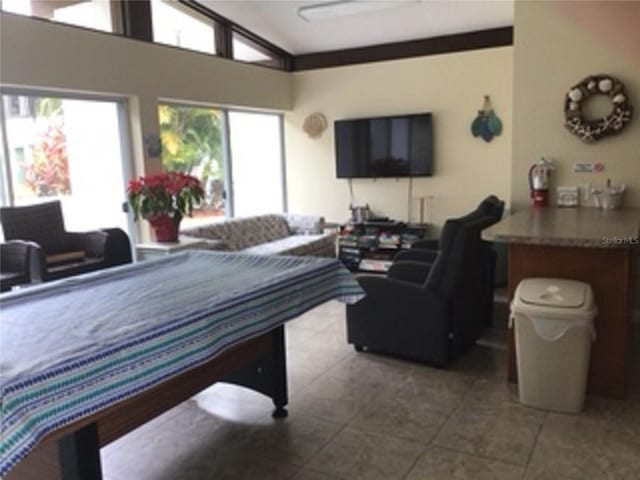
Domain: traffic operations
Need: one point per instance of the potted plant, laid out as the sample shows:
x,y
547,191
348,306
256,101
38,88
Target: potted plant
x,y
163,200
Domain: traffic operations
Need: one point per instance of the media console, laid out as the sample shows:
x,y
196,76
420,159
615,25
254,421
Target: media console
x,y
371,246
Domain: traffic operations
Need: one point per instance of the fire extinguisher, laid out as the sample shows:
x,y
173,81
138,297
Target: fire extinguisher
x,y
539,175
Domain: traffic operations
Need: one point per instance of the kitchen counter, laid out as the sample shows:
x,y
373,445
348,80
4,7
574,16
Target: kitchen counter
x,y
589,245
570,227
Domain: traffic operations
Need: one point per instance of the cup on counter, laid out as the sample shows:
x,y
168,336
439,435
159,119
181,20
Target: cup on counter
x,y
608,197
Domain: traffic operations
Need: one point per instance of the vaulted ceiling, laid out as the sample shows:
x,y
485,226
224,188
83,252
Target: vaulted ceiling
x,y
278,21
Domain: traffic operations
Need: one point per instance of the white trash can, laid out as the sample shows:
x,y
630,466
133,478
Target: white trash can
x,y
554,329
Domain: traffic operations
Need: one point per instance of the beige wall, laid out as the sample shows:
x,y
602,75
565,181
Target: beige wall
x,y
451,86
557,44
46,55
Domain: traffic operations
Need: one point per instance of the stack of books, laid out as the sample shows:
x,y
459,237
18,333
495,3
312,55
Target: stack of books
x,y
409,239
386,240
348,240
367,241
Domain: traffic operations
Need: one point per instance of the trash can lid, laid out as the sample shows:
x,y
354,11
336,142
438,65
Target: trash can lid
x,y
554,292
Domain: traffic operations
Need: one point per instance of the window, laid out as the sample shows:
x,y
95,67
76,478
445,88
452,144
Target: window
x,y
54,153
247,50
192,143
19,106
95,14
178,25
257,174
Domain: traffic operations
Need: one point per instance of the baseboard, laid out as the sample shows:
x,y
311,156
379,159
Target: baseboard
x,y
492,343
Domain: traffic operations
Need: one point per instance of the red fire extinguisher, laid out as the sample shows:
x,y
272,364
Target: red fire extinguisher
x,y
539,175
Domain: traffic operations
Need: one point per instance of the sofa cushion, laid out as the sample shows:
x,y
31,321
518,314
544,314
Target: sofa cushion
x,y
304,224
315,245
273,234
241,233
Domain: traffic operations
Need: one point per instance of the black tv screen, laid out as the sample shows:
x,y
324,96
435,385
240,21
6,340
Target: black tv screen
x,y
398,146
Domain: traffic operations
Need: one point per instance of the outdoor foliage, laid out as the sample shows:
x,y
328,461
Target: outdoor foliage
x,y
191,140
47,174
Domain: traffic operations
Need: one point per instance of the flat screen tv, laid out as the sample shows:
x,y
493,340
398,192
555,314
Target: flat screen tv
x,y
396,146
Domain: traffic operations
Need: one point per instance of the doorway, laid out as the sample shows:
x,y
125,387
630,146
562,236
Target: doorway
x,y
68,149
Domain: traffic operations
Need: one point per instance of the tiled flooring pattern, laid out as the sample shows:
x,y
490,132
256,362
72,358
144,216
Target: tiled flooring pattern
x,y
363,416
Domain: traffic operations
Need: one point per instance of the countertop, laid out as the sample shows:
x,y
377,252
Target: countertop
x,y
571,227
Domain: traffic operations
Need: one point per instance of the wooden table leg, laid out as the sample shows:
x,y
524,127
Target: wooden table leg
x,y
73,456
279,395
268,373
79,454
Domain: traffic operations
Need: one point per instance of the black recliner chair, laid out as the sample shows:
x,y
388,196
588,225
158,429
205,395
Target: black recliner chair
x,y
491,210
426,250
57,253
434,321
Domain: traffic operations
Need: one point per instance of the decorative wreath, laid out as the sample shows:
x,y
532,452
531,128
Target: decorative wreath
x,y
590,131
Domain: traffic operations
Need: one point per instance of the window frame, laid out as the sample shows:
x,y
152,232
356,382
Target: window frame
x,y
283,159
125,132
117,18
133,19
194,13
275,60
225,39
225,147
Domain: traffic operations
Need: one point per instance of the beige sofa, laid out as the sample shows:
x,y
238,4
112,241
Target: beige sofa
x,y
272,234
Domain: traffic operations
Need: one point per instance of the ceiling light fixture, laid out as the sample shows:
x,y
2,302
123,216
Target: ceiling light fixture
x,y
340,8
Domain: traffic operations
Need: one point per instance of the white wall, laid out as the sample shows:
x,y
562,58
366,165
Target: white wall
x,y
46,55
557,44
450,86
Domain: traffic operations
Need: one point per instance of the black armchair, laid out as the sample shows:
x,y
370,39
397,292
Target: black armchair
x,y
434,321
15,258
56,253
491,206
487,213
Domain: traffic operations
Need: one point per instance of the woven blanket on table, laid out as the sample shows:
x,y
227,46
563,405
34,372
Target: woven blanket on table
x,y
71,348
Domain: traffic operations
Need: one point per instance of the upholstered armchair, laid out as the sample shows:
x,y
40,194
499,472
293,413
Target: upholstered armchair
x,y
57,253
15,258
433,321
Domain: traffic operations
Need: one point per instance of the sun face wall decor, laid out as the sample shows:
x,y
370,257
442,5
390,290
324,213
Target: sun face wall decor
x,y
590,131
315,124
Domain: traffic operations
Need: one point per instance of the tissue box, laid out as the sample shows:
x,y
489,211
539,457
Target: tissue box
x,y
567,196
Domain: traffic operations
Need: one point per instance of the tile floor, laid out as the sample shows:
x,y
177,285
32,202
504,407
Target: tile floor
x,y
363,416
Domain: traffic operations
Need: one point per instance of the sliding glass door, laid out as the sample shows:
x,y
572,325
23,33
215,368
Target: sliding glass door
x,y
67,149
237,155
257,168
192,142
75,150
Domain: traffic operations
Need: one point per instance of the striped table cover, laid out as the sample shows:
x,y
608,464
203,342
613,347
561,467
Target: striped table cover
x,y
71,348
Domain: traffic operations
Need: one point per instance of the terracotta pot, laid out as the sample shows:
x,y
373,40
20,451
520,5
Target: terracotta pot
x,y
165,228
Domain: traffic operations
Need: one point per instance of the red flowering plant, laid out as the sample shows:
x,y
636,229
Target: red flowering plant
x,y
172,194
